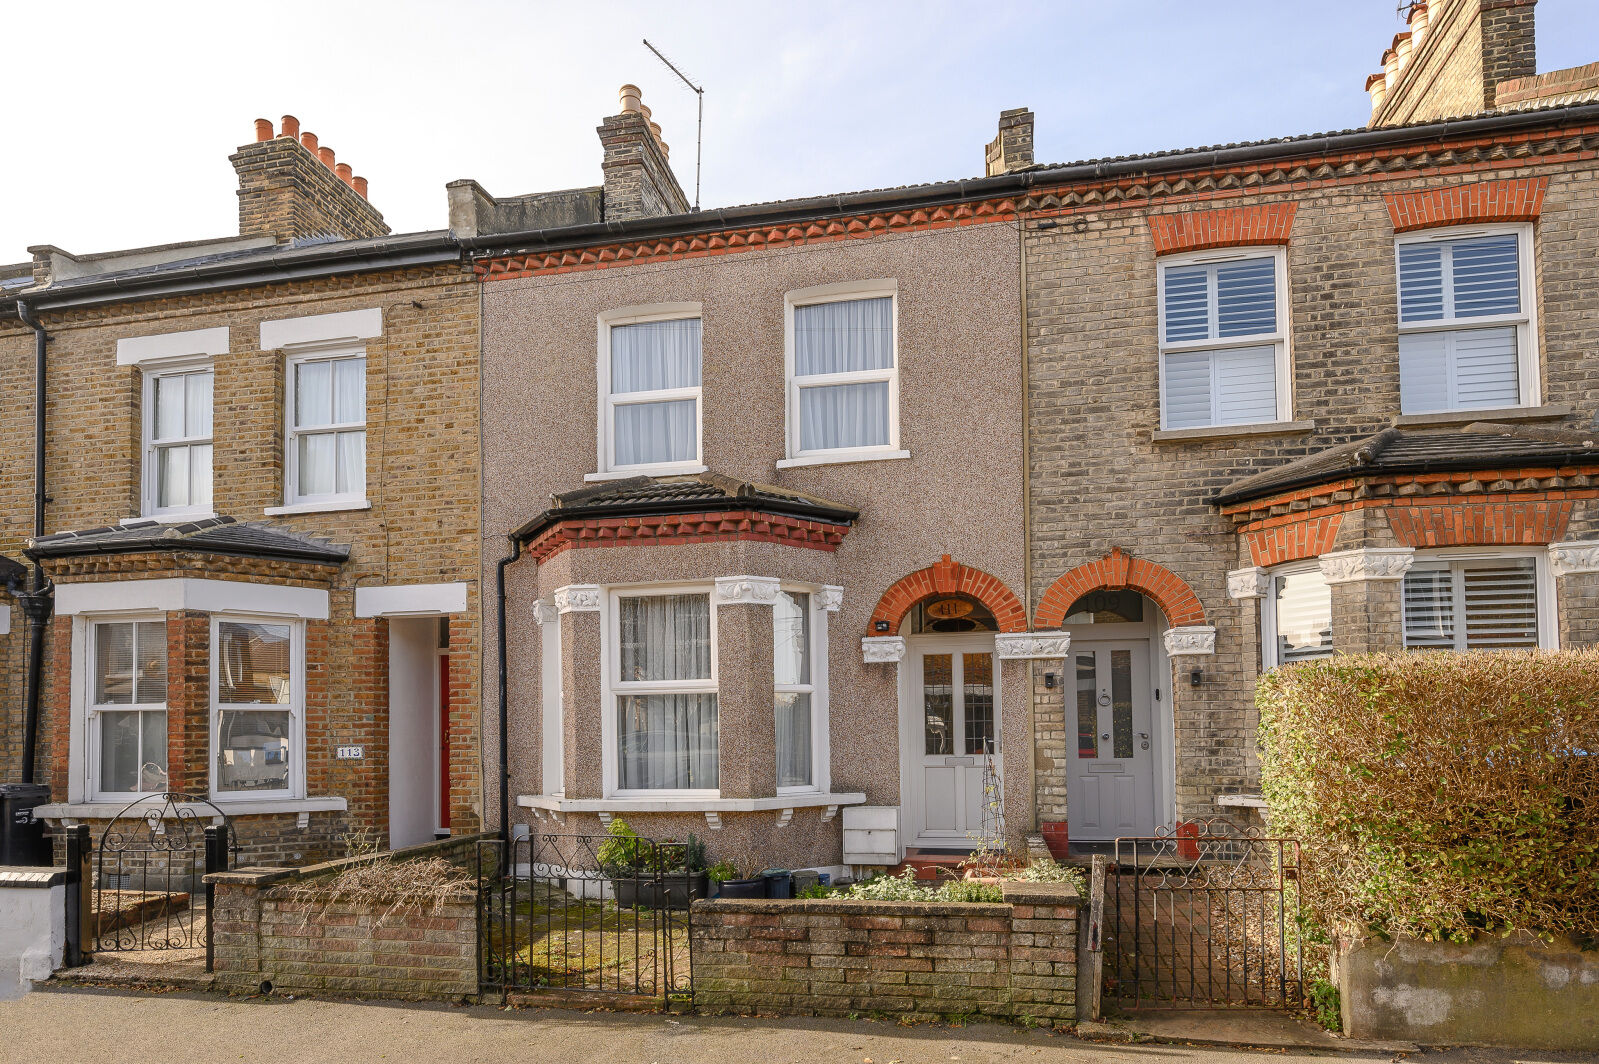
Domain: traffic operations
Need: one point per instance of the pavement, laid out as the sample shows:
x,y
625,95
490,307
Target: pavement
x,y
69,1023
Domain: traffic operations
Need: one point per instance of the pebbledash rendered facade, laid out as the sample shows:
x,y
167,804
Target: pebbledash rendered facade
x,y
817,518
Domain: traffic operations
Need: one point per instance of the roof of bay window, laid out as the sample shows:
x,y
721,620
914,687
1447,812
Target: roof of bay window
x,y
1477,446
692,493
212,535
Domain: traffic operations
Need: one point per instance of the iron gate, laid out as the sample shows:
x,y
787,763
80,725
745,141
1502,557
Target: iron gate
x,y
148,875
1204,916
589,913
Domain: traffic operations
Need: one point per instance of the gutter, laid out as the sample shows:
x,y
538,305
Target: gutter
x,y
667,507
1587,455
72,549
950,192
38,601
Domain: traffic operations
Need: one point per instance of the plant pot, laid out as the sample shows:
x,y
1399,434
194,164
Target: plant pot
x,y
779,884
742,888
673,890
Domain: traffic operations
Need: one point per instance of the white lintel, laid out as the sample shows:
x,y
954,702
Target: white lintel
x,y
172,346
177,594
346,325
410,600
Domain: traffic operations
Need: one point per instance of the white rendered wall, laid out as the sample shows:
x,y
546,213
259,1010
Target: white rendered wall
x,y
33,936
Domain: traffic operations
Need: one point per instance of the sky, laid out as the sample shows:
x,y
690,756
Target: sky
x,y
121,116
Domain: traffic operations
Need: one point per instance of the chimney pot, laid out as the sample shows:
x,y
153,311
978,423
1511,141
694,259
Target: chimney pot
x,y
291,126
359,184
263,129
1390,65
346,173
644,109
631,98
1402,47
309,140
326,155
655,130
1377,86
1418,20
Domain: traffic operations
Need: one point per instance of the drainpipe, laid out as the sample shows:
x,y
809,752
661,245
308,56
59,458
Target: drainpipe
x,y
505,712
38,601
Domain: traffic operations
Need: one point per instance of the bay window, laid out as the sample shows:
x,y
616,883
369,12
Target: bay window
x,y
1467,334
1223,339
843,373
664,691
325,448
650,391
1298,617
257,695
177,441
128,707
795,691
1496,602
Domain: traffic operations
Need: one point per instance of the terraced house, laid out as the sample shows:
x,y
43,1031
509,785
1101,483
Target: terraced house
x,y
257,516
1272,401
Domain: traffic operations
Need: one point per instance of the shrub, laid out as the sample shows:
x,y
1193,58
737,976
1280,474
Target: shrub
x,y
904,887
1439,794
1324,1002
1045,870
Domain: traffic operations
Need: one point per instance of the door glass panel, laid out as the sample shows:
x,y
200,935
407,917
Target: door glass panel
x,y
1121,703
1087,707
977,699
938,703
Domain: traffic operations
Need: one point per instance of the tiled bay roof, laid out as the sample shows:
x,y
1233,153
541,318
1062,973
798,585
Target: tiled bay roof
x,y
211,535
1477,446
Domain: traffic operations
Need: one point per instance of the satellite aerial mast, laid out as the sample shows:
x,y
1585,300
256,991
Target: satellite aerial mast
x,y
700,126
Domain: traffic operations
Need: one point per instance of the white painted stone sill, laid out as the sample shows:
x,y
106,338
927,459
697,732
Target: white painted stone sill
x,y
1221,432
167,519
645,471
1242,801
840,459
318,507
557,804
1501,413
202,811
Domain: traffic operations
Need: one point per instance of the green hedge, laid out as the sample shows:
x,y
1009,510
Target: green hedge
x,y
1439,794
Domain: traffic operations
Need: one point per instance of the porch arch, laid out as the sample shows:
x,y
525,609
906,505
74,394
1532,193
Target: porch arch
x,y
945,577
1117,571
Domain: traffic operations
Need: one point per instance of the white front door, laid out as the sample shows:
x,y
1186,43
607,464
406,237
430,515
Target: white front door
x,y
949,706
1110,787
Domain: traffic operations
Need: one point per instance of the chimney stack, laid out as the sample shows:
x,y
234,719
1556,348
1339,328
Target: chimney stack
x,y
291,188
639,182
1461,50
1012,148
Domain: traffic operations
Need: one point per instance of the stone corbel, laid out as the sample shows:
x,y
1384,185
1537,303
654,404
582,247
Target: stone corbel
x,y
1193,639
578,598
882,649
746,590
784,817
545,611
829,813
830,598
1574,556
714,820
1366,563
1249,583
1032,645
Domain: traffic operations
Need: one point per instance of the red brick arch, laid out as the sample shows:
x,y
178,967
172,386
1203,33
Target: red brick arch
x,y
1116,572
945,577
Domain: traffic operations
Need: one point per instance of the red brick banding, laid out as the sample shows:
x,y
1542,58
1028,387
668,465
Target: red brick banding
x,y
1519,200
1266,223
1479,524
948,577
1289,541
1117,571
686,528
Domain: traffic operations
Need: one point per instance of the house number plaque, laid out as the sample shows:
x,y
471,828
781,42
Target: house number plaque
x,y
349,753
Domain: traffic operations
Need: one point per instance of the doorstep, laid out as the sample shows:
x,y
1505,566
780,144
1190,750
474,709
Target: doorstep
x,y
1259,1028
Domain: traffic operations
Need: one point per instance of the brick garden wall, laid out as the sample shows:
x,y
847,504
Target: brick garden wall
x,y
915,960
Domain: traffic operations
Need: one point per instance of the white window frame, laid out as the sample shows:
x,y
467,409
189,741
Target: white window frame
x,y
1269,651
150,488
845,292
1543,584
611,688
552,716
293,501
607,320
295,707
1280,337
92,710
817,688
1529,387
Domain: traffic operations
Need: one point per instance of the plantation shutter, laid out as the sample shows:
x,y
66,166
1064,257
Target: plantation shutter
x,y
1489,604
1232,385
1447,281
1304,617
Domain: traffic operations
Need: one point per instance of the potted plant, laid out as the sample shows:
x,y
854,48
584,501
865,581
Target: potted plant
x,y
682,875
624,858
740,879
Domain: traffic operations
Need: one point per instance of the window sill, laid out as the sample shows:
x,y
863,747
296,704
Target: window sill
x,y
168,519
1220,432
107,810
558,804
318,507
1498,413
840,459
646,471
